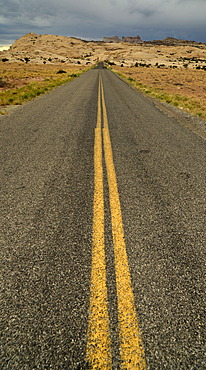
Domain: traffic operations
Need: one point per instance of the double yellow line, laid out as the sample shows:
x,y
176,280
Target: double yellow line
x,y
99,348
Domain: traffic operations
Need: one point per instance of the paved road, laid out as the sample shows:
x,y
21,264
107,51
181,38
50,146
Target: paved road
x,y
103,232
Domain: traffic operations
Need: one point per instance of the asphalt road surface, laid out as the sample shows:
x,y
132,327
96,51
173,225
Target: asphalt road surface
x,y
103,232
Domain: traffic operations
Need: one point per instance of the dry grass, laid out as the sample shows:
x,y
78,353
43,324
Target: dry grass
x,y
21,83
185,88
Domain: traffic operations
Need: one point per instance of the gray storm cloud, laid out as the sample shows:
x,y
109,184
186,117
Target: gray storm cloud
x,y
96,18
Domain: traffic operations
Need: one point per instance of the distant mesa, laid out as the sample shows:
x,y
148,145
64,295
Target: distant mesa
x,y
168,41
112,39
130,39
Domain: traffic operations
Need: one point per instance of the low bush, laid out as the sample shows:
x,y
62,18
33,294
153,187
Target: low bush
x,y
2,82
60,71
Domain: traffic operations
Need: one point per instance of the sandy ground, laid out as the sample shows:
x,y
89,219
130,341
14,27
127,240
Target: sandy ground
x,y
15,75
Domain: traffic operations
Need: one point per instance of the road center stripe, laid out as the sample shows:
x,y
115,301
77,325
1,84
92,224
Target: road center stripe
x,y
131,348
98,343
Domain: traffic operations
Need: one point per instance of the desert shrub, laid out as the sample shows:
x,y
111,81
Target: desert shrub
x,y
111,63
61,71
5,59
2,83
131,79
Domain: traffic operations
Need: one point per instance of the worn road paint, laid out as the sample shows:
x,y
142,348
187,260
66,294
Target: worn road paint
x,y
131,348
99,344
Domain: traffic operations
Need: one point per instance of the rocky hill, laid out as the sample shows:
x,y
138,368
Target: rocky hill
x,y
49,49
171,41
129,51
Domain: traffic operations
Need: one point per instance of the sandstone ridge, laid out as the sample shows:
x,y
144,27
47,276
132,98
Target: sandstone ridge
x,y
128,51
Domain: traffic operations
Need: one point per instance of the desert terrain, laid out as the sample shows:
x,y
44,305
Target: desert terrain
x,y
51,49
171,70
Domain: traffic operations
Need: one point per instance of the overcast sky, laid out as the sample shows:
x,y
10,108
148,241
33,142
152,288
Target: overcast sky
x,y
94,19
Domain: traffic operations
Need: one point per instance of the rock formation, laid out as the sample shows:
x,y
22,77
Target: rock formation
x,y
132,39
171,41
129,39
112,39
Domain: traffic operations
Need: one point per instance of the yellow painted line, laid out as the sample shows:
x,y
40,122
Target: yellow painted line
x,y
99,343
99,119
98,352
131,347
105,119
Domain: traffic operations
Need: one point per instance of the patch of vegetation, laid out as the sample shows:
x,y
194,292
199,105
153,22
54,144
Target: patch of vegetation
x,y
2,82
110,63
46,80
3,112
26,93
131,79
60,71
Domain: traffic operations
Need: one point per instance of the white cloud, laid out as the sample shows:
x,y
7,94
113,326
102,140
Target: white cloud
x,y
5,47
